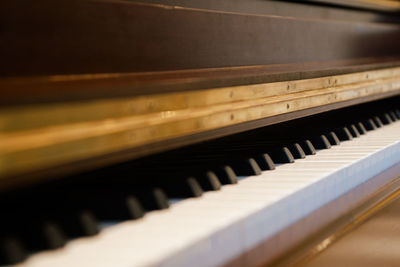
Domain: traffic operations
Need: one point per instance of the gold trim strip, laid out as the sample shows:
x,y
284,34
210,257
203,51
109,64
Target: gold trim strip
x,y
41,136
34,116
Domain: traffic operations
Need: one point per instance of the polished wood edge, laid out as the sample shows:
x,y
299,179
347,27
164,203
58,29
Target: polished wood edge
x,y
43,115
34,90
179,116
296,241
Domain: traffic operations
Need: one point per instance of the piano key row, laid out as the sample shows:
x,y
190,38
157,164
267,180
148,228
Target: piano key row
x,y
68,212
213,229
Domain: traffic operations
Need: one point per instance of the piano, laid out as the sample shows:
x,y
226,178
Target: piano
x,y
194,133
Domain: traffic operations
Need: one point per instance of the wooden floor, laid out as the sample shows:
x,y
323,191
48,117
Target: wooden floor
x,y
376,242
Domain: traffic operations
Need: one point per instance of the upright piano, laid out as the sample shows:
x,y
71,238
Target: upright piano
x,y
193,133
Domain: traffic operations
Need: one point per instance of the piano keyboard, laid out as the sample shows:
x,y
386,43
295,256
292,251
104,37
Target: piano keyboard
x,y
217,227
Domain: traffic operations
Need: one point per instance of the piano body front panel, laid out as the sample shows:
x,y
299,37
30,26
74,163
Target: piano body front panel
x,y
88,85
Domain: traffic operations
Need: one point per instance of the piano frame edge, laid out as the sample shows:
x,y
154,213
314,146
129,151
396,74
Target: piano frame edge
x,y
131,127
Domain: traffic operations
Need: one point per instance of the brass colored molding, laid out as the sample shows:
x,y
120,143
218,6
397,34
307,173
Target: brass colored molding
x,y
45,135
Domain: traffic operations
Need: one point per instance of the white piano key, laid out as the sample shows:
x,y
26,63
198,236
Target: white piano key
x,y
219,226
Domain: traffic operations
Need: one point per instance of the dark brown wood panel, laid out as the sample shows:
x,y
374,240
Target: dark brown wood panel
x,y
331,10
71,37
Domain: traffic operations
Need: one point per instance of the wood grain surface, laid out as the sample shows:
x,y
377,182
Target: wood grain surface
x,y
80,87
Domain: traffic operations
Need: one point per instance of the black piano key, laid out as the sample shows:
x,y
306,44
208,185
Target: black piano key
x,y
79,223
133,207
281,155
152,198
397,113
393,116
321,142
297,151
360,127
115,207
192,187
89,225
353,130
209,181
385,118
226,175
377,121
246,167
333,139
343,134
35,225
160,199
388,117
370,125
265,162
52,235
12,250
307,147
183,188
149,196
